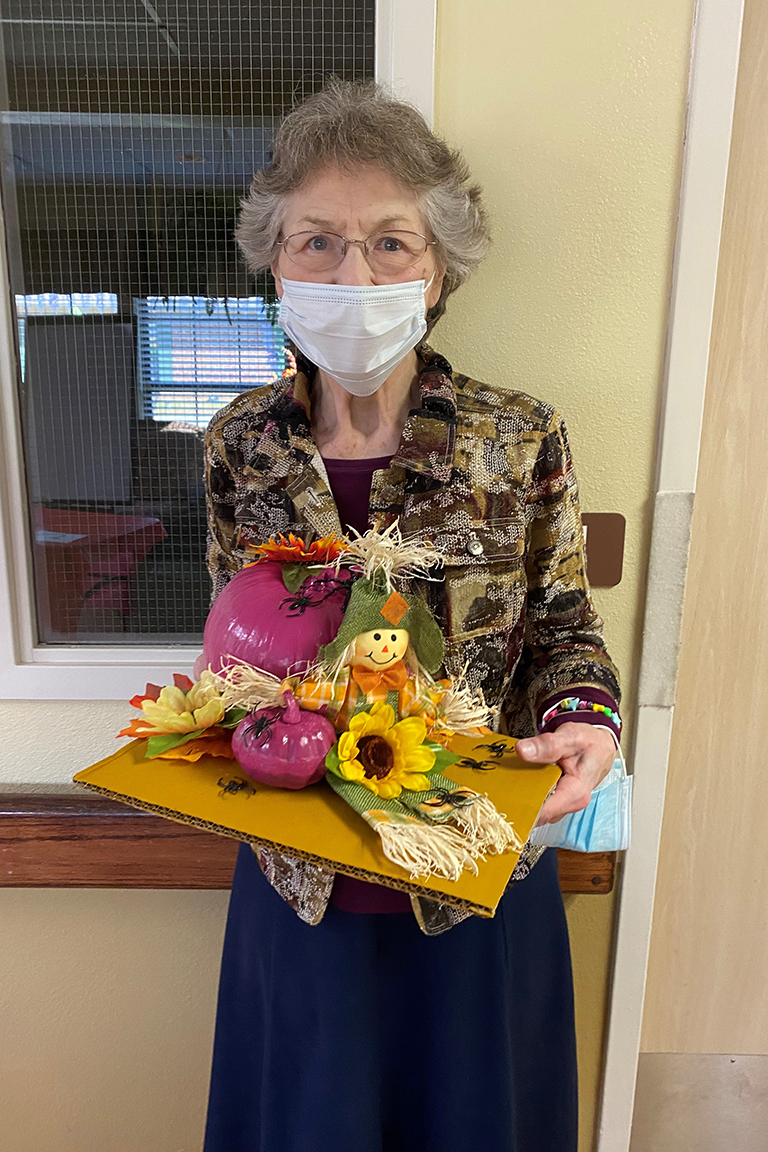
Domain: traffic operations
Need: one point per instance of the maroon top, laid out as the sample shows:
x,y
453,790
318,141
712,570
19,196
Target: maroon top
x,y
350,482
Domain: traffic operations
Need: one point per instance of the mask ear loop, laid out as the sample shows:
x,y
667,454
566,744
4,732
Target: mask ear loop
x,y
619,755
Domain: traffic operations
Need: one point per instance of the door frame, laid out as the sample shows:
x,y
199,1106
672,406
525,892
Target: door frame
x,y
405,51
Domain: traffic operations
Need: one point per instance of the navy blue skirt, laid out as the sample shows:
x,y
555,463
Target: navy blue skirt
x,y
361,1034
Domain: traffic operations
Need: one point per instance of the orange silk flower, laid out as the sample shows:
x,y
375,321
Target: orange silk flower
x,y
292,549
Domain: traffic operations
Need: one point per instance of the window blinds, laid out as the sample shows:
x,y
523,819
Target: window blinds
x,y
195,354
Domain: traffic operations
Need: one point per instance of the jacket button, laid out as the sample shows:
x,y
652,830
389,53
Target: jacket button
x,y
475,548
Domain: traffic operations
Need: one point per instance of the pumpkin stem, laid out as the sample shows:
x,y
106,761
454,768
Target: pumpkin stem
x,y
292,713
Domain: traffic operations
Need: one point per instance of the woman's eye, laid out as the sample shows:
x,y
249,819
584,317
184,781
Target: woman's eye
x,y
389,244
318,244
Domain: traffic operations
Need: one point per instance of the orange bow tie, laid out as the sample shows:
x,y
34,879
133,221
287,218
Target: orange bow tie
x,y
369,680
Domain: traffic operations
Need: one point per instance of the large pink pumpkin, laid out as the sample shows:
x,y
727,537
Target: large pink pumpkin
x,y
256,620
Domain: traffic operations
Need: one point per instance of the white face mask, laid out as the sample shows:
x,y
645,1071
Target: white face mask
x,y
357,333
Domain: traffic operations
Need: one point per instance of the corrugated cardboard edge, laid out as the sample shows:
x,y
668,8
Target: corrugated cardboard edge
x,y
409,886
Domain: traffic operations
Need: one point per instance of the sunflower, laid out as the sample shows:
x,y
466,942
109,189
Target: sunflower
x,y
384,756
293,550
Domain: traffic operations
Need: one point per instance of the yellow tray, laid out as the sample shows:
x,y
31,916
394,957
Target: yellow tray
x,y
315,824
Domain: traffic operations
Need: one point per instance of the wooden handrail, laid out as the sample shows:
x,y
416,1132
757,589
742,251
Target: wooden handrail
x,y
73,840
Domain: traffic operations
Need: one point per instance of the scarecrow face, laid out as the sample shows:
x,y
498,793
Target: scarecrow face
x,y
380,648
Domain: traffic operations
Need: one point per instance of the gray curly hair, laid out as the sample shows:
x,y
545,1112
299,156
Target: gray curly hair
x,y
351,123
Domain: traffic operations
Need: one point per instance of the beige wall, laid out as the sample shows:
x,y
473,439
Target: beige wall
x,y
571,116
107,1002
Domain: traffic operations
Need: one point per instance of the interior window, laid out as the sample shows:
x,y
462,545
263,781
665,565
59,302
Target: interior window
x,y
130,133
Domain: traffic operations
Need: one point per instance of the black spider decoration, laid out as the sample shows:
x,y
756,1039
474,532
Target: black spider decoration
x,y
260,728
300,601
456,797
476,765
230,787
497,748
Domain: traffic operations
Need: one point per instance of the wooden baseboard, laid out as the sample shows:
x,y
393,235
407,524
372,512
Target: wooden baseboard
x,y
86,841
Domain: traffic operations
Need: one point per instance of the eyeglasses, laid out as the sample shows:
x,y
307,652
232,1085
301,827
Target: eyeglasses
x,y
387,252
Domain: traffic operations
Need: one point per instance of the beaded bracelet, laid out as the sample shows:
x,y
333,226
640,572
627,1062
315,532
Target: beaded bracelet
x,y
575,704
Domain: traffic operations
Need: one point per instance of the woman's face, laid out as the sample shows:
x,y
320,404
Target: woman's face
x,y
355,205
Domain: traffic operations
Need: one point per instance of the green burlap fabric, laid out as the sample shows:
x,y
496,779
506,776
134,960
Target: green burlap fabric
x,y
362,800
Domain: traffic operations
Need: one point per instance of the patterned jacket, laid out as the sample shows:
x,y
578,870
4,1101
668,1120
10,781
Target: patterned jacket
x,y
482,471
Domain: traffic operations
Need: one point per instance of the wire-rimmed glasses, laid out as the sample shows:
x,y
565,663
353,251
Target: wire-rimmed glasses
x,y
388,253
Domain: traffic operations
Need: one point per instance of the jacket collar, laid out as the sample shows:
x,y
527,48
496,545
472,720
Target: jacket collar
x,y
427,442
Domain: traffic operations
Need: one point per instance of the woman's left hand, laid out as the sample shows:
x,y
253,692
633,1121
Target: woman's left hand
x,y
585,754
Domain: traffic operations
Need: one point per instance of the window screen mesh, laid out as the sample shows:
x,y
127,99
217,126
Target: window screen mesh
x,y
130,133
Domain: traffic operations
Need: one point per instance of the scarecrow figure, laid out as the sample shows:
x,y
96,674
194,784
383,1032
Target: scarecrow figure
x,y
385,652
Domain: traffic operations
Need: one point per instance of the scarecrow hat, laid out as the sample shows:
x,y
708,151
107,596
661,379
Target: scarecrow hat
x,y
373,604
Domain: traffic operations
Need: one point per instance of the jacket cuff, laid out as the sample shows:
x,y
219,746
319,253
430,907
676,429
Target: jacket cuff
x,y
584,692
597,719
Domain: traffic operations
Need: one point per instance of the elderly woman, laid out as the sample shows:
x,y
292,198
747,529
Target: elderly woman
x,y
352,1017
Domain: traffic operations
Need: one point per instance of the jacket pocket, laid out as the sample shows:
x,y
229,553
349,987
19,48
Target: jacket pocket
x,y
484,570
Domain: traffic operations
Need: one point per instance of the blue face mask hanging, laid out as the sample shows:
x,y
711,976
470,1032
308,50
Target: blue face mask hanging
x,y
604,825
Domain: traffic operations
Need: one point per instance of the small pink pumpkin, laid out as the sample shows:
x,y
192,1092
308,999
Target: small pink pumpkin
x,y
257,620
283,747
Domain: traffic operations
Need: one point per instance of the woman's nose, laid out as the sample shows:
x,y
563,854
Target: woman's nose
x,y
354,268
